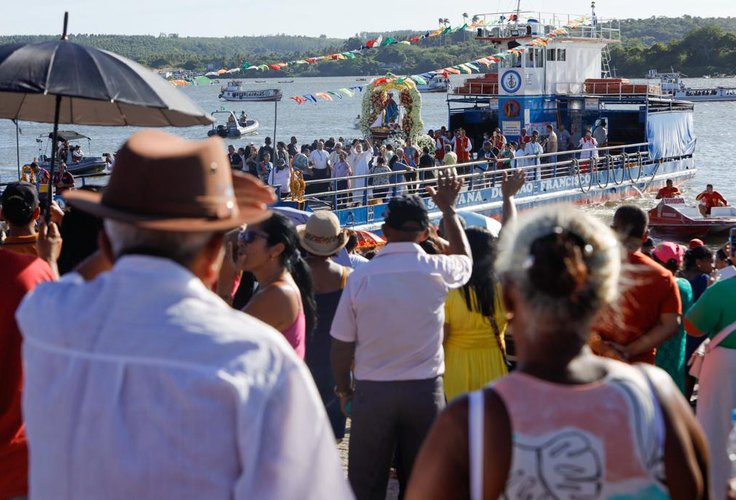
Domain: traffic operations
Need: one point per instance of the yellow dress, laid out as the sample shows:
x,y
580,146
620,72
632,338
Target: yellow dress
x,y
472,357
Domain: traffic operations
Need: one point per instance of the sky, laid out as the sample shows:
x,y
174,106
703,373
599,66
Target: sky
x,y
303,17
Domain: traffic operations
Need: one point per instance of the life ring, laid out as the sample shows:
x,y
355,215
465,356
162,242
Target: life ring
x,y
511,108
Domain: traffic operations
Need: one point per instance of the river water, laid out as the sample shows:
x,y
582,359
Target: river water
x,y
713,127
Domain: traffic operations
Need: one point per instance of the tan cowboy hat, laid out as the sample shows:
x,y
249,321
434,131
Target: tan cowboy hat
x,y
322,234
167,183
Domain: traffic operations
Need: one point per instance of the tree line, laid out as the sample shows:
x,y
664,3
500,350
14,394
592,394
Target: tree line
x,y
692,45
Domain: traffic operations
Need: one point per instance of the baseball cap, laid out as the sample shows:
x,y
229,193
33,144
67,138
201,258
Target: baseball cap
x,y
407,213
19,200
668,250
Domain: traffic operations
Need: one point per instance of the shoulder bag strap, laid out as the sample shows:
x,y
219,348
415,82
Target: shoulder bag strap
x,y
497,334
721,336
475,443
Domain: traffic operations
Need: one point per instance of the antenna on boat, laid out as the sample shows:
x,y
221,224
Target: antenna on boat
x,y
518,10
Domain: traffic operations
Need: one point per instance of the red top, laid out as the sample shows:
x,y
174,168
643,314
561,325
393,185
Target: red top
x,y
711,199
18,274
668,192
461,146
652,292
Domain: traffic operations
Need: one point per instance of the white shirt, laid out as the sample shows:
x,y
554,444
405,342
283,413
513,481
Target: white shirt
x,y
393,309
144,384
281,178
319,159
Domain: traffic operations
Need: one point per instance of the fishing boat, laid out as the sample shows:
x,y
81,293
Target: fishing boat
x,y
436,83
234,92
674,218
673,85
233,127
87,165
561,77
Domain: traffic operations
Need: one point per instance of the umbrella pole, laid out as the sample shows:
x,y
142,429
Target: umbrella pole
x,y
50,188
275,119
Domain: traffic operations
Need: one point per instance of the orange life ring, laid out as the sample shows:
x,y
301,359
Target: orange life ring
x,y
511,108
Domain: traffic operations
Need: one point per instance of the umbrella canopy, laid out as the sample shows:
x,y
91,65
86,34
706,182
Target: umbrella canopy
x,y
96,87
68,135
479,220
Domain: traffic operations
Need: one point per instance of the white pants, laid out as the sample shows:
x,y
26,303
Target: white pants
x,y
716,399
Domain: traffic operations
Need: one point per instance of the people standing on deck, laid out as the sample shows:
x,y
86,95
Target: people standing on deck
x,y
196,399
709,199
280,177
524,138
320,160
566,424
360,159
551,145
600,132
450,159
335,155
342,171
564,138
650,307
388,331
532,150
498,140
293,147
264,167
381,180
462,148
266,148
669,191
426,162
589,147
282,153
507,155
236,162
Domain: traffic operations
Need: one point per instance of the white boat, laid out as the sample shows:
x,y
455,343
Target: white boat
x,y
87,165
673,85
233,127
234,92
436,84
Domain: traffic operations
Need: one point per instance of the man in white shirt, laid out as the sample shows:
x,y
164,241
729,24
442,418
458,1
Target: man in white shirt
x,y
389,322
280,177
320,166
359,159
533,149
146,384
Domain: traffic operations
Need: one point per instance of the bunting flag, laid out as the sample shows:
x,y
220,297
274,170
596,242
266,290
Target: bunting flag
x,y
466,67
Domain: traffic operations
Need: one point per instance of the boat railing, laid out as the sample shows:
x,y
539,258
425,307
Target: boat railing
x,y
506,25
613,165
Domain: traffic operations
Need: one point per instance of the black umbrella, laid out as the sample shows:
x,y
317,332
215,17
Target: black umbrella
x,y
63,82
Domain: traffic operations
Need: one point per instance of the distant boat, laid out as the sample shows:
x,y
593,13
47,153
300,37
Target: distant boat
x,y
672,217
361,79
234,127
87,165
286,81
673,85
261,81
235,92
436,84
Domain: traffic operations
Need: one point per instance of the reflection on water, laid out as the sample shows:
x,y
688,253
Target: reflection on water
x,y
307,121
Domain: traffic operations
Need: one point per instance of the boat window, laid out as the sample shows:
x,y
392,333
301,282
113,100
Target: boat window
x,y
561,54
551,54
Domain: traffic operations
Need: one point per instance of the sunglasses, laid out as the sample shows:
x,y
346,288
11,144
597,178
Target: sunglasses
x,y
250,235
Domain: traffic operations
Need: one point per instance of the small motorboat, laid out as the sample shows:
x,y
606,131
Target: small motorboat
x,y
233,127
286,81
87,165
435,84
673,217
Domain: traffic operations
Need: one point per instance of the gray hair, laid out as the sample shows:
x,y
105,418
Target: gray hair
x,y
181,247
599,249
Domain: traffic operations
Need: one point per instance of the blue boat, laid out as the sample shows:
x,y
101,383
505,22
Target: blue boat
x,y
561,78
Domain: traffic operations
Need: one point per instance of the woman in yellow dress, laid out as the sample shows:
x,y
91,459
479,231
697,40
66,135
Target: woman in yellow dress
x,y
473,354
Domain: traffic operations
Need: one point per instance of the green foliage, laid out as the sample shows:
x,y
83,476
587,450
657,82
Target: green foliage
x,y
692,45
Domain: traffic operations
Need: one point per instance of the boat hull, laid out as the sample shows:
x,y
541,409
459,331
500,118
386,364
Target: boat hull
x,y
90,165
675,219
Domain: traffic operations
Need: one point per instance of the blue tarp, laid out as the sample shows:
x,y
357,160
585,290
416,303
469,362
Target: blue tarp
x,y
670,134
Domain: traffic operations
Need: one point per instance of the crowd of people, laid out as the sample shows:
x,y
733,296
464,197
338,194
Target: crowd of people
x,y
358,170
195,343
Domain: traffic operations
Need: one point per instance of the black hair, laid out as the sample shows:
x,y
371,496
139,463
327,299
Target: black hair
x,y
483,279
670,265
693,255
721,254
18,212
352,241
630,221
280,229
425,150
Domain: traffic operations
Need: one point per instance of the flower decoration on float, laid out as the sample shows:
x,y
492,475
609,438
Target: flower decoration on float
x,y
376,98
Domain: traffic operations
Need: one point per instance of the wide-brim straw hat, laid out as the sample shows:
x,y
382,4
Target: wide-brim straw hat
x,y
322,234
167,183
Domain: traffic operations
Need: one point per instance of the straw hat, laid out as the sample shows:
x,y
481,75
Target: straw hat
x,y
166,183
322,234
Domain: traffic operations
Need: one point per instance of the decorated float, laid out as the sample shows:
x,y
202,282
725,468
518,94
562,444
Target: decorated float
x,y
384,116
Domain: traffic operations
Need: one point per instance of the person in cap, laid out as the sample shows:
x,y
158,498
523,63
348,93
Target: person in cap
x,y
389,323
321,239
146,384
671,353
19,208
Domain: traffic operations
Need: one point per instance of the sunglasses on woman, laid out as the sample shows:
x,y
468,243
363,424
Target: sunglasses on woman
x,y
250,235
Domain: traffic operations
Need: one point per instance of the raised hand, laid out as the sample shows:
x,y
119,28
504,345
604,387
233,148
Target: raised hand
x,y
447,191
512,182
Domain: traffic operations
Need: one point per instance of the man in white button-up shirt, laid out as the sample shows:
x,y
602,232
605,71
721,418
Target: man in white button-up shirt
x,y
142,383
390,321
